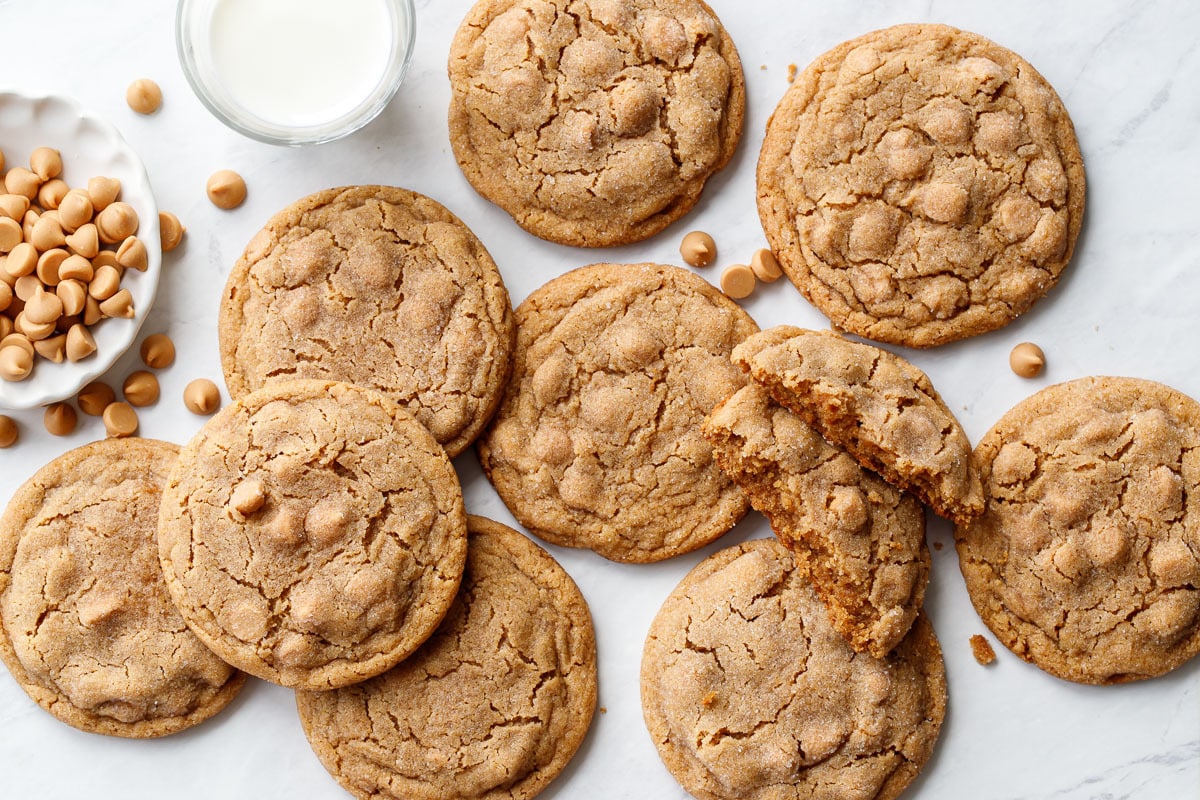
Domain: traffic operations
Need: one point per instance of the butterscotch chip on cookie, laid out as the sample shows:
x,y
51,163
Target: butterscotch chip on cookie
x,y
376,286
856,538
597,443
921,184
493,706
1086,561
88,628
593,122
313,534
750,694
878,407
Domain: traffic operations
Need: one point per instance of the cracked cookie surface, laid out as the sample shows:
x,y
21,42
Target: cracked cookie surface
x,y
88,627
493,706
593,122
313,533
597,443
921,184
377,286
856,538
875,405
1086,561
749,693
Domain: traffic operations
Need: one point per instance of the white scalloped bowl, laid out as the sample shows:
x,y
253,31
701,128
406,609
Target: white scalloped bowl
x,y
90,146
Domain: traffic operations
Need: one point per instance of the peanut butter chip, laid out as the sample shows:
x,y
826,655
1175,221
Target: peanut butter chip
x,y
737,281
95,397
158,351
201,396
141,389
59,419
46,162
698,249
8,431
120,420
1027,360
226,189
80,343
132,254
103,191
15,363
248,497
119,305
764,266
170,230
116,222
144,96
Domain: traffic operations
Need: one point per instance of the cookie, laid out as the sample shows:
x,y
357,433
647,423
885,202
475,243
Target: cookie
x,y
875,405
593,122
597,443
856,538
376,286
1086,561
87,627
313,534
750,694
921,184
493,706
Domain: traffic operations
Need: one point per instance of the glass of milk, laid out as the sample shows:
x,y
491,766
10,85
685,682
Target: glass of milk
x,y
295,71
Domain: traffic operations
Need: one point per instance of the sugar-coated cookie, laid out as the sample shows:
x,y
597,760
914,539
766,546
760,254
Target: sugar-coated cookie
x,y
593,122
87,627
313,533
921,184
1086,561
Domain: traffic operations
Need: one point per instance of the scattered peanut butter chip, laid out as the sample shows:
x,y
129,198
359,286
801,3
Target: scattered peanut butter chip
x,y
737,281
144,96
120,420
141,389
158,351
248,497
95,397
698,249
201,396
982,650
170,230
764,265
1027,360
8,431
226,189
59,419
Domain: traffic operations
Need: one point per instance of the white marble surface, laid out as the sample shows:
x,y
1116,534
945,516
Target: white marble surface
x,y
1128,74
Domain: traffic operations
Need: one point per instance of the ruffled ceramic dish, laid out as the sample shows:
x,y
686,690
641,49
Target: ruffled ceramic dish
x,y
90,146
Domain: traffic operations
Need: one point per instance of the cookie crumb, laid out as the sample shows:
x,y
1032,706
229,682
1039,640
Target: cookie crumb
x,y
938,546
791,73
982,651
603,709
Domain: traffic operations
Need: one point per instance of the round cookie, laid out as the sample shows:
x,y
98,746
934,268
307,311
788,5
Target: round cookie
x,y
1086,561
593,122
493,706
597,443
921,184
313,534
376,286
87,627
875,405
750,694
859,540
